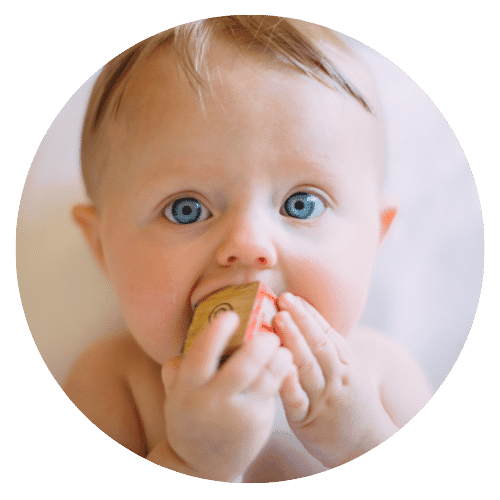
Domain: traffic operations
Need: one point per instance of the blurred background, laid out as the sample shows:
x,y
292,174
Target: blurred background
x,y
426,282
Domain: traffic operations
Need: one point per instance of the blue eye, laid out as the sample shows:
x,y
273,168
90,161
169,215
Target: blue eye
x,y
304,206
186,211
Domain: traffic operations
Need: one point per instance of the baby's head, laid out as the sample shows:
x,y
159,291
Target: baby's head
x,y
233,150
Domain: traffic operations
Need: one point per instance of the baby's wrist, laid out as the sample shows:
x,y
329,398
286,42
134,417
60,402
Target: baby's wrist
x,y
372,437
376,435
163,454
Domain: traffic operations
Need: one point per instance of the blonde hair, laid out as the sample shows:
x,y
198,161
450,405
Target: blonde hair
x,y
274,37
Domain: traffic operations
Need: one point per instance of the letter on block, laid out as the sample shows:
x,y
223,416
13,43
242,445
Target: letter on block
x,y
255,304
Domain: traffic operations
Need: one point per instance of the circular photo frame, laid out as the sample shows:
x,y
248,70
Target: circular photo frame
x,y
425,283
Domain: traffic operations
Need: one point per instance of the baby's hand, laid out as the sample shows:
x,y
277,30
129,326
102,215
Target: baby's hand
x,y
331,404
218,420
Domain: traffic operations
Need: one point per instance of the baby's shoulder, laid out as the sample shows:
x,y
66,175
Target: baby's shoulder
x,y
102,384
385,355
113,356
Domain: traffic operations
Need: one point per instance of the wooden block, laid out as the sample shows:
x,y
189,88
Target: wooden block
x,y
255,304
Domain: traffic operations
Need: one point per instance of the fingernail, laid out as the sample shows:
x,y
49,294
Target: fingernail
x,y
287,299
280,319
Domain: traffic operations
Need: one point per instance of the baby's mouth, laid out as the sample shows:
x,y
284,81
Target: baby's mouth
x,y
254,302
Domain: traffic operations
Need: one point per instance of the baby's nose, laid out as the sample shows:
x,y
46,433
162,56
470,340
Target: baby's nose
x,y
249,245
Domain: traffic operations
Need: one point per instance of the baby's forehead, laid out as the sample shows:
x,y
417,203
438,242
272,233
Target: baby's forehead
x,y
130,88
159,88
286,45
154,106
162,73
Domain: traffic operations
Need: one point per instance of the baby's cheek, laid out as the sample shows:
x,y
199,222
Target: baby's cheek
x,y
158,319
153,297
339,305
337,292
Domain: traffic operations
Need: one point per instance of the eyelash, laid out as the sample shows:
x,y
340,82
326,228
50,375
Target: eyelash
x,y
299,205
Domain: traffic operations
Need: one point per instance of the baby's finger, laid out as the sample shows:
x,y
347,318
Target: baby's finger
x,y
321,346
310,372
294,398
271,377
202,361
335,337
246,364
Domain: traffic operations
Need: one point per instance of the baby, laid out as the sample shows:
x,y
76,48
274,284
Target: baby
x,y
223,152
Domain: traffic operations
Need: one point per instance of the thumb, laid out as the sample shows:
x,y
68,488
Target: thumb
x,y
294,398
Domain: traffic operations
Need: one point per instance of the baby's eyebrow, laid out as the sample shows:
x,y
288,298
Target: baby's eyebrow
x,y
323,171
313,172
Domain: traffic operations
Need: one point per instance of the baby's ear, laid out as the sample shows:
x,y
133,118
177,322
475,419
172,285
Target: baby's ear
x,y
87,218
387,214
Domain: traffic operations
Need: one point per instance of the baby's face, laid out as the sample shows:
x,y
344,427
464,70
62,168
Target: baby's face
x,y
275,180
